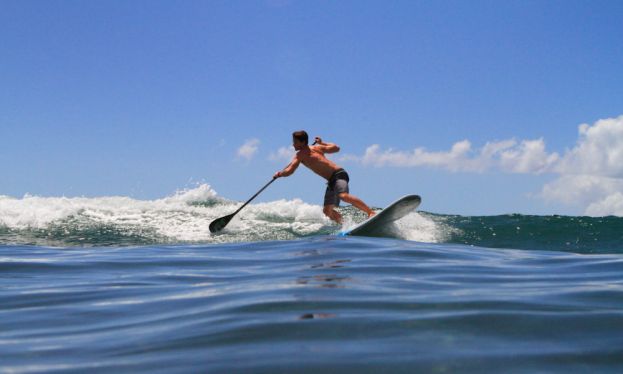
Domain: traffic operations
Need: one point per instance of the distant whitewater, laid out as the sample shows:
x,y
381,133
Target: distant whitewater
x,y
184,217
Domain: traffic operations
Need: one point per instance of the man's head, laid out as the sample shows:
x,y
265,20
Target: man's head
x,y
299,139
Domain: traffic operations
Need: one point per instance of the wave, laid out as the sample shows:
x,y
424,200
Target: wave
x,y
185,216
559,233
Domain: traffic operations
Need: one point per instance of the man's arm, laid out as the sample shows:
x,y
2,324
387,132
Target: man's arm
x,y
326,147
288,170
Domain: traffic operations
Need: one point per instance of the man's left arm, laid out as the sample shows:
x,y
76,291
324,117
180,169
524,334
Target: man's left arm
x,y
326,147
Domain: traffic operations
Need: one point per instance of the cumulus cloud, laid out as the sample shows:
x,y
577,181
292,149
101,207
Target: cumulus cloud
x,y
609,205
248,149
282,154
599,150
582,189
600,196
527,156
589,175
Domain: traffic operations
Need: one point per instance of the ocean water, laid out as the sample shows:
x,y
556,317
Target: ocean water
x,y
115,284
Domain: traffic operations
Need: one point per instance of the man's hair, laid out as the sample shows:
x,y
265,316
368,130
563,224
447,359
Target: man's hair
x,y
301,136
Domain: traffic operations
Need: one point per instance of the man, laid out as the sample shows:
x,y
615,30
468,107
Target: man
x,y
337,179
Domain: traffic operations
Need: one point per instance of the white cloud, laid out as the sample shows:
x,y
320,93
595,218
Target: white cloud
x,y
580,189
282,154
248,149
418,157
348,158
599,150
590,175
610,205
528,156
598,196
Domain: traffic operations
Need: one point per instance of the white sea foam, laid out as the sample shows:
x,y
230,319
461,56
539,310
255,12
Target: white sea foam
x,y
186,215
418,227
172,216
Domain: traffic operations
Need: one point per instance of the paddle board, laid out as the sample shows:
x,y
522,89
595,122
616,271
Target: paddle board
x,y
374,225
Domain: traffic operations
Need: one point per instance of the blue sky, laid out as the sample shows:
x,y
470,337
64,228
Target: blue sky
x,y
475,105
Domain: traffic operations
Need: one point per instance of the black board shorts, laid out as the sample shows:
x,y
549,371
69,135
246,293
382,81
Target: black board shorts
x,y
338,183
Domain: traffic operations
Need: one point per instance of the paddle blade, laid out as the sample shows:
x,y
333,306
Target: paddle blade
x,y
219,223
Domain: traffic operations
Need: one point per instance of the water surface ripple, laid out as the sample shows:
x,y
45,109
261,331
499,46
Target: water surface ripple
x,y
319,304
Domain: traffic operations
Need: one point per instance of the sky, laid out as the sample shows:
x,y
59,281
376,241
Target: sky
x,y
481,107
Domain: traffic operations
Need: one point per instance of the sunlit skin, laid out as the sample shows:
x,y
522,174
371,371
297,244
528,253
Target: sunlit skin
x,y
314,158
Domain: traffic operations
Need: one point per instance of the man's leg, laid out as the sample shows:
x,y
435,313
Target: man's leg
x,y
329,211
356,202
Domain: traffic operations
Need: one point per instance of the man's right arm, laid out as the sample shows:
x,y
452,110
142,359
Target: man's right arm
x,y
288,170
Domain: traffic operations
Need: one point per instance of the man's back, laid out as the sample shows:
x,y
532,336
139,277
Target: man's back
x,y
313,157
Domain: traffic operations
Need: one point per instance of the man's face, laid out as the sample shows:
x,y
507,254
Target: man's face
x,y
297,144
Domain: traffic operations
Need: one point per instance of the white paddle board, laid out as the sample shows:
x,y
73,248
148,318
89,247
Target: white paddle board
x,y
395,211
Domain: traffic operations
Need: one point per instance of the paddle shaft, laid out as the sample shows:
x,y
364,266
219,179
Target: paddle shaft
x,y
220,223
254,196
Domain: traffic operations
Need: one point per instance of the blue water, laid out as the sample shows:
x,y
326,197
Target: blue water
x,y
92,290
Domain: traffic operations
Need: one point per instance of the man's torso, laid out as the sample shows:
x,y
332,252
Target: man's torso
x,y
315,160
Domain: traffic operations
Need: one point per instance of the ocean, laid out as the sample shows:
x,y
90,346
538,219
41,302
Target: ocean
x,y
115,284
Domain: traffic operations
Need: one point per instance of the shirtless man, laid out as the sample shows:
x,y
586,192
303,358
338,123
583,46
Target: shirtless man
x,y
337,178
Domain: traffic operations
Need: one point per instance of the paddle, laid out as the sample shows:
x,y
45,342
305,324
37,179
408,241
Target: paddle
x,y
220,223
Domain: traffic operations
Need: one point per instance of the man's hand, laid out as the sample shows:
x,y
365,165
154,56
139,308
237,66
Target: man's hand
x,y
277,175
326,147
